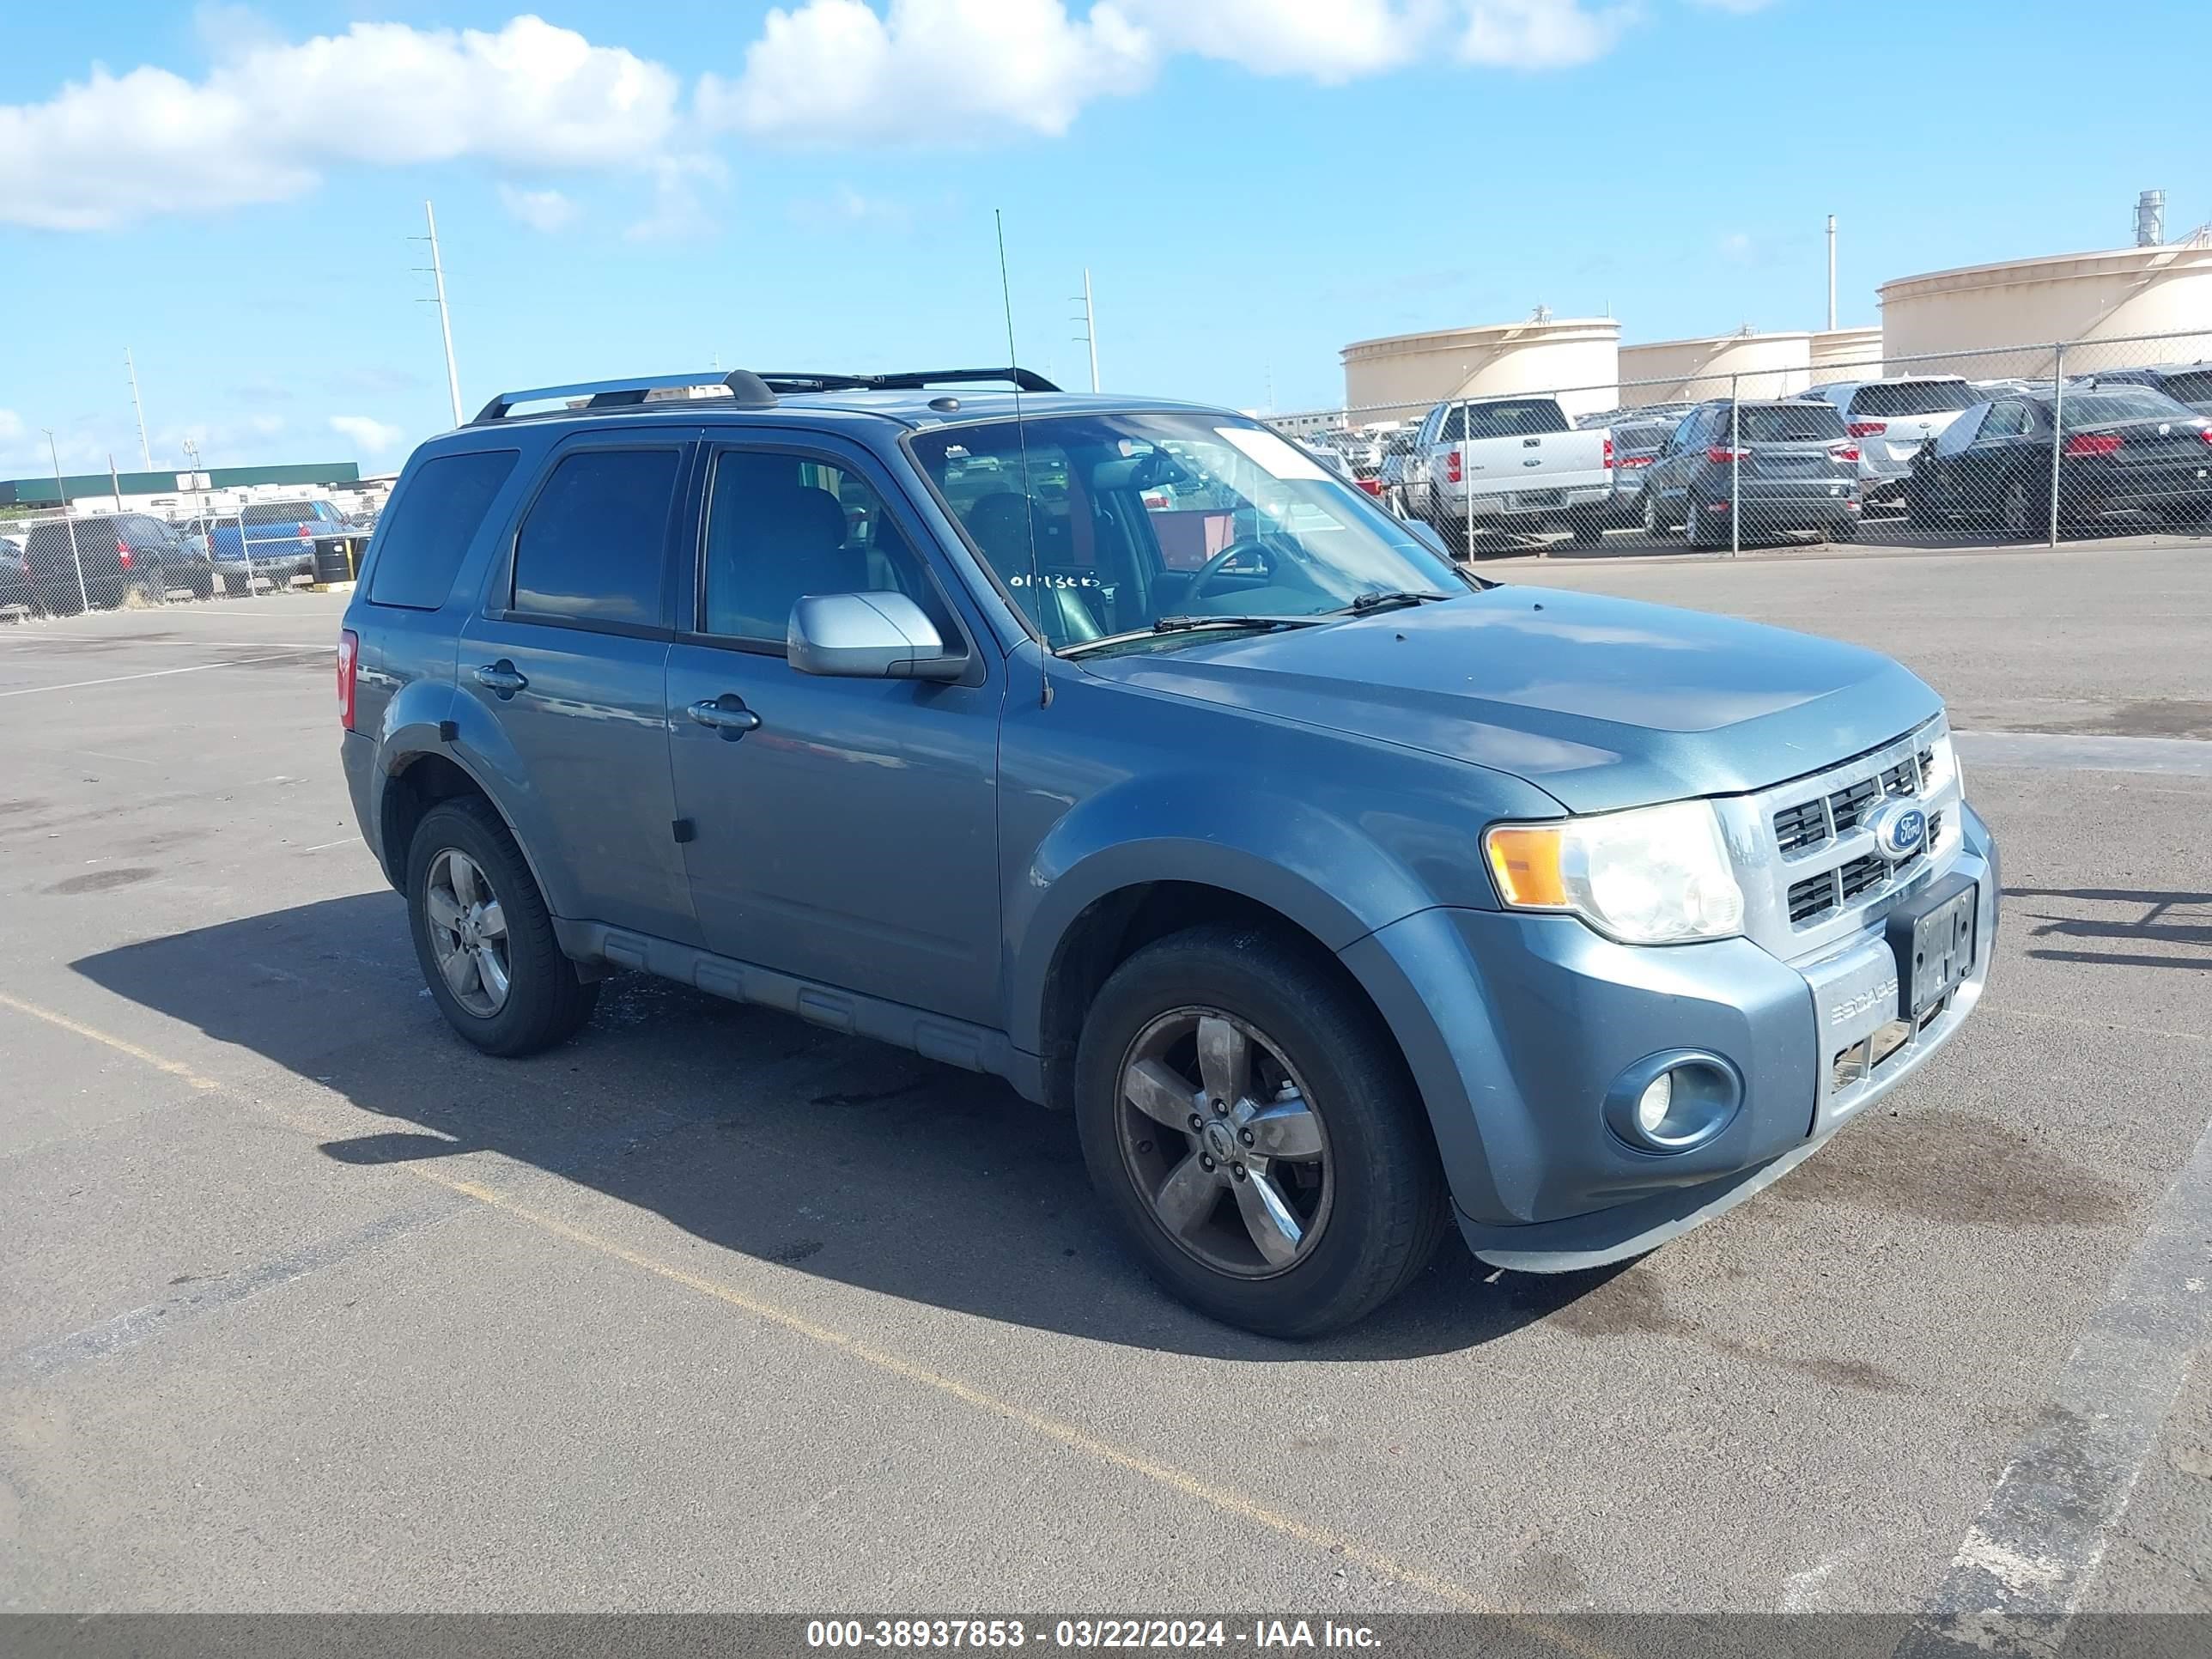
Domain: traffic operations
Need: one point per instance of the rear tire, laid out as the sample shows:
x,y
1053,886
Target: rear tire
x,y
1693,526
1843,530
1586,527
1371,1204
544,1001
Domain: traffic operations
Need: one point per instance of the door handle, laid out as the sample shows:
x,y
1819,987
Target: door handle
x,y
502,678
727,714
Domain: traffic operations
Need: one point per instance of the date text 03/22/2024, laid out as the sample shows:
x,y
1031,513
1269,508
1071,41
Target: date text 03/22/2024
x,y
1087,1634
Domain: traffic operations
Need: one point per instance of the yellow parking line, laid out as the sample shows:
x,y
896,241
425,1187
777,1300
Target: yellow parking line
x,y
173,1067
1050,1428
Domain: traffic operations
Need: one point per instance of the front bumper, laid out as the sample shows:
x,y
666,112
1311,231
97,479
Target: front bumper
x,y
1517,1026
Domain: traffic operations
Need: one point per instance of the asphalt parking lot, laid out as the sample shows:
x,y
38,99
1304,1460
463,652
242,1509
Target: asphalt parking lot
x,y
310,1307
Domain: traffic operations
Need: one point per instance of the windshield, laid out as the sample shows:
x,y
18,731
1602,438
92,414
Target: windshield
x,y
1787,424
1884,398
2122,402
1123,520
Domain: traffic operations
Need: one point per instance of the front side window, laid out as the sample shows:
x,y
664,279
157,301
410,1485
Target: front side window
x,y
2005,420
1122,519
782,525
593,547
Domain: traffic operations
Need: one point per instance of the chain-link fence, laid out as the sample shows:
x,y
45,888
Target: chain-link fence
x,y
65,565
2074,439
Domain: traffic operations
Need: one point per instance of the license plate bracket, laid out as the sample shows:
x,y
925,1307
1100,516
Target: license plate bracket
x,y
1934,940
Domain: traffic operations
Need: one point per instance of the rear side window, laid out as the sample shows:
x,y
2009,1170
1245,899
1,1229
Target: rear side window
x,y
2193,387
1881,399
422,538
594,545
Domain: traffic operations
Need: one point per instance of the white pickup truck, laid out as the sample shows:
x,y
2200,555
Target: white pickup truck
x,y
1513,465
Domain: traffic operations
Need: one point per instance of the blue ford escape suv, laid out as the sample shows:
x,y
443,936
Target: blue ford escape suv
x,y
1115,748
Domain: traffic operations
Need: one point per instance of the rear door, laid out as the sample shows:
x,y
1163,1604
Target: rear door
x,y
848,835
567,657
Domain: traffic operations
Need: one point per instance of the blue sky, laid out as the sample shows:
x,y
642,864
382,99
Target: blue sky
x,y
1253,184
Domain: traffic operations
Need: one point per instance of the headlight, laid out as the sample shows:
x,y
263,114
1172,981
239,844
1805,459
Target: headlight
x,y
1942,769
1659,875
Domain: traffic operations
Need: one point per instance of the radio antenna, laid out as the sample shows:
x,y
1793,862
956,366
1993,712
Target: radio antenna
x,y
1029,497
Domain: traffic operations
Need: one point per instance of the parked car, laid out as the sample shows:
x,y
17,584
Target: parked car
x,y
1514,464
1401,480
15,575
2119,448
1891,419
1340,894
1637,443
119,554
1782,467
2185,383
287,540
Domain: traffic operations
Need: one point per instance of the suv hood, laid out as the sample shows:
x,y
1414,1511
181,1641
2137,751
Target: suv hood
x,y
1603,703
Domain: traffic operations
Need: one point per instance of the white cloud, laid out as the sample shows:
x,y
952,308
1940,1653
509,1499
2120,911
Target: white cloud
x,y
678,214
1539,33
541,210
932,71
269,116
371,437
926,69
845,208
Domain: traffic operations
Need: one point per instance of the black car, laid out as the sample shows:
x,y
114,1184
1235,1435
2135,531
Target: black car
x,y
98,561
1784,466
2185,383
15,575
2117,448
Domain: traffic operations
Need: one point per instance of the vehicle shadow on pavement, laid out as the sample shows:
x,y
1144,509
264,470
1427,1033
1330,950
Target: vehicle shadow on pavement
x,y
754,1131
2123,915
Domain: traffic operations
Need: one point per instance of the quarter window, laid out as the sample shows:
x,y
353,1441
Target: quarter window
x,y
595,544
434,517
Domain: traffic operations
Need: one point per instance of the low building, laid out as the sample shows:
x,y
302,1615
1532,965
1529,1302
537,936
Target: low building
x,y
181,495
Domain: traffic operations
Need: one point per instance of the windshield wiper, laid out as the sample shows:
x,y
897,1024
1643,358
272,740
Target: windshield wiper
x,y
1189,625
1382,599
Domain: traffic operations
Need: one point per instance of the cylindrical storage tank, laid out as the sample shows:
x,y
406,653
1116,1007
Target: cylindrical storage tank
x,y
1577,358
1689,371
1846,353
1990,321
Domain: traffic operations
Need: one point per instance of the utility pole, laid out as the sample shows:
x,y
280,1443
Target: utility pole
x,y
1832,273
445,320
144,453
60,489
114,481
1090,321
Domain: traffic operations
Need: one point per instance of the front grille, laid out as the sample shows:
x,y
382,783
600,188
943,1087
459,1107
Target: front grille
x,y
1809,822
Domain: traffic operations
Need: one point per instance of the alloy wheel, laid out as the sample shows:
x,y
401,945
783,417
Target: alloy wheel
x,y
1224,1142
468,932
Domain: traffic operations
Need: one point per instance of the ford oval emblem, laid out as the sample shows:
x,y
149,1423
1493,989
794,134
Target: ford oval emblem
x,y
1899,827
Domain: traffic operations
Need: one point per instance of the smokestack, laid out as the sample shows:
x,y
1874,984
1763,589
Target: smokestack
x,y
2150,218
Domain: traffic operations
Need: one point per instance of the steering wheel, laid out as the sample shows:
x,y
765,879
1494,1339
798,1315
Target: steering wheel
x,y
1221,561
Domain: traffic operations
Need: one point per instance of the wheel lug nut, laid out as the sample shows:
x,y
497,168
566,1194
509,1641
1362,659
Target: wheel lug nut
x,y
1221,1109
1237,1169
1246,1136
1196,1122
1144,1146
1205,1163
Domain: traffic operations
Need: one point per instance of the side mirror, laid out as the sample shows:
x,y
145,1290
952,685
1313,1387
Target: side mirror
x,y
1425,534
868,636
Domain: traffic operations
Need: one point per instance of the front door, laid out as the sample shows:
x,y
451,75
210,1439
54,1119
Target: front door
x,y
567,660
841,830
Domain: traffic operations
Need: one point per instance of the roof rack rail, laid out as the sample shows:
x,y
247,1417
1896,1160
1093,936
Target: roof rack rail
x,y
746,388
911,380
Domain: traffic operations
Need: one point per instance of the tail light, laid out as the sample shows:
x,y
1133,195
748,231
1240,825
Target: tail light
x,y
304,535
349,657
123,551
1636,460
1451,467
1720,457
1867,428
1844,453
1608,450
2094,443
2205,433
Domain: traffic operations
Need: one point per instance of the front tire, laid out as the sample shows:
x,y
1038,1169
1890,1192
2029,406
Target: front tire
x,y
1253,1129
484,938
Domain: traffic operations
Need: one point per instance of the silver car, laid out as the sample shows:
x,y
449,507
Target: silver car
x,y
1892,419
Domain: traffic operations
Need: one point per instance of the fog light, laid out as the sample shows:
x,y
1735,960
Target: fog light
x,y
1674,1100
